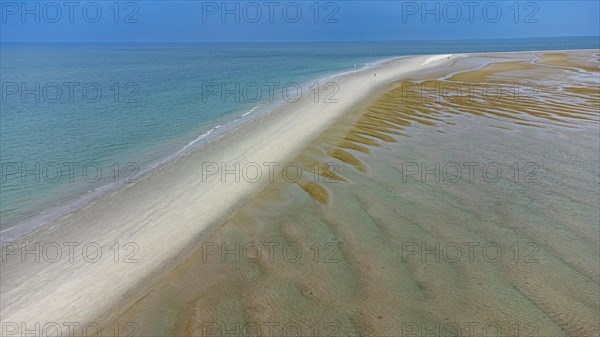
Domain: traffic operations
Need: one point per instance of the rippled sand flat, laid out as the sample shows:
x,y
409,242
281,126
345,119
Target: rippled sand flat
x,y
362,220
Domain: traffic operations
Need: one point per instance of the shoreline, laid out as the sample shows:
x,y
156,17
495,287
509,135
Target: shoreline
x,y
169,209
53,212
172,209
24,226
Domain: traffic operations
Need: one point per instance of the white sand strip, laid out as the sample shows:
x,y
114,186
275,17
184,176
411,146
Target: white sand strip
x,y
167,210
437,58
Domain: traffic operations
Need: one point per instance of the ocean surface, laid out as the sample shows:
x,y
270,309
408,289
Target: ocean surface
x,y
77,119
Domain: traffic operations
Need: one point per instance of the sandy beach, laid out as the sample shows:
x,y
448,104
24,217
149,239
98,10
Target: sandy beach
x,y
356,203
167,211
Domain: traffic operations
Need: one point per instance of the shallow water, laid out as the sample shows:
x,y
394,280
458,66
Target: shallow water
x,y
446,215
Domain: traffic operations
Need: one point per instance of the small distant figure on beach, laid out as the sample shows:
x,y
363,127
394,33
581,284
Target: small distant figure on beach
x,y
374,75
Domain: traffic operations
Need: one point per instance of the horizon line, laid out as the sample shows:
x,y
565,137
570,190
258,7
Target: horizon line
x,y
314,41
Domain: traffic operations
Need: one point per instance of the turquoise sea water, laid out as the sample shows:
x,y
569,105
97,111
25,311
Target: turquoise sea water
x,y
79,117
